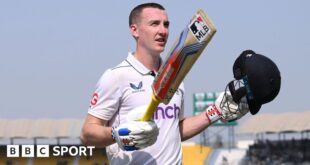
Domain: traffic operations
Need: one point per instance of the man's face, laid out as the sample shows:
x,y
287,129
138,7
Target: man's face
x,y
152,31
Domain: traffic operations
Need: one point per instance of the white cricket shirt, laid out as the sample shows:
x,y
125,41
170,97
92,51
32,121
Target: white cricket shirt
x,y
125,87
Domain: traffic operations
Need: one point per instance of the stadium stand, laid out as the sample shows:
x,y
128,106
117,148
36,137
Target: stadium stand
x,y
195,154
277,123
227,156
292,145
279,152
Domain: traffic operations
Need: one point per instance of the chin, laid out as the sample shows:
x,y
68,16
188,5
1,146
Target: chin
x,y
160,50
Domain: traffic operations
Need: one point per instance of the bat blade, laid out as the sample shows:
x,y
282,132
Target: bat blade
x,y
180,59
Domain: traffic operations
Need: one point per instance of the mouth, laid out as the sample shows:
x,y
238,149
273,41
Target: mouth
x,y
161,41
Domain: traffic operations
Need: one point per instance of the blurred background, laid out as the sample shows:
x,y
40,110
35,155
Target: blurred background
x,y
53,53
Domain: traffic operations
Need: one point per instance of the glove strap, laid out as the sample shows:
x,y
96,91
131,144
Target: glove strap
x,y
112,133
212,113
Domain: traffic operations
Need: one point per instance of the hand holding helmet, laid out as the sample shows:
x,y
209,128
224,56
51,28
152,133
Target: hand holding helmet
x,y
257,81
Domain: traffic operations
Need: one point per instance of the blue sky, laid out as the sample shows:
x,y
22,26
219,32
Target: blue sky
x,y
53,52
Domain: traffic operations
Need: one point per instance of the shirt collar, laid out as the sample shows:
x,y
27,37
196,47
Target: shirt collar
x,y
137,64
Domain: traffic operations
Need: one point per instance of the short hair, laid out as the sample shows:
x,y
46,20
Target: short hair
x,y
135,12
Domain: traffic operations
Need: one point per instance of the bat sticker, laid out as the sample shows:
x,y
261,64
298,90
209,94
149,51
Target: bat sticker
x,y
199,28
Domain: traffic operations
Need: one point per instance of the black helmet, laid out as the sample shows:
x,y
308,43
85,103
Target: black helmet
x,y
261,79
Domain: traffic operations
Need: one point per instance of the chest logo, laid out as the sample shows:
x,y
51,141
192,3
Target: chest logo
x,y
137,87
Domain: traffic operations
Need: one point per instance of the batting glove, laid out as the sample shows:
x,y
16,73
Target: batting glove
x,y
135,135
226,109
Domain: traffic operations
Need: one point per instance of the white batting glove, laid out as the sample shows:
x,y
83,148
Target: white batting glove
x,y
135,134
230,110
226,109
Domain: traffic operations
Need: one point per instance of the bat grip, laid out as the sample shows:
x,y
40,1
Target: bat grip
x,y
150,109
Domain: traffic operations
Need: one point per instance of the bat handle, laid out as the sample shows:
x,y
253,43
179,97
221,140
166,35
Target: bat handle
x,y
150,109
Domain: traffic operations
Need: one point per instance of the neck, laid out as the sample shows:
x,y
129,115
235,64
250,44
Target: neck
x,y
150,61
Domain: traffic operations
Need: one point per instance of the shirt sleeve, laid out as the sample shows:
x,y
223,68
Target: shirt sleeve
x,y
106,97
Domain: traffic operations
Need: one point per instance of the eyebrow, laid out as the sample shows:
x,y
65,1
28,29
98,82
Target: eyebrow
x,y
158,21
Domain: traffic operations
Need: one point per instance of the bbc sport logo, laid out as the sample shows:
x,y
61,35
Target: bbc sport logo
x,y
47,150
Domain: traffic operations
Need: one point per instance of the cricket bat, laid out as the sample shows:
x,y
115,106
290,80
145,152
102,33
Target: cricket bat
x,y
180,59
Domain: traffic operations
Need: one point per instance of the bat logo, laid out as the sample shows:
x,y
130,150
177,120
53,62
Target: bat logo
x,y
199,28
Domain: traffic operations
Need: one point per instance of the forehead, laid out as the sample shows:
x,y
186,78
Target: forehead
x,y
153,14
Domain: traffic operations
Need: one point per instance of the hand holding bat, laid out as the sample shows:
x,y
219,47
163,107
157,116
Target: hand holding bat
x,y
182,56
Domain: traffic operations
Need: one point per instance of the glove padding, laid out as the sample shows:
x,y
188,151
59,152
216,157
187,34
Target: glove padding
x,y
135,134
226,109
229,109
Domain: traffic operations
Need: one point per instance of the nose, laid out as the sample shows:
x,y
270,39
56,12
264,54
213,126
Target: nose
x,y
163,30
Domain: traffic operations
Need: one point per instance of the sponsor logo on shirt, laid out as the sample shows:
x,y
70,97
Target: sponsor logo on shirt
x,y
167,112
94,99
137,87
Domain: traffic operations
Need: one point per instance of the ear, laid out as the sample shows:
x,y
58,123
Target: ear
x,y
134,30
